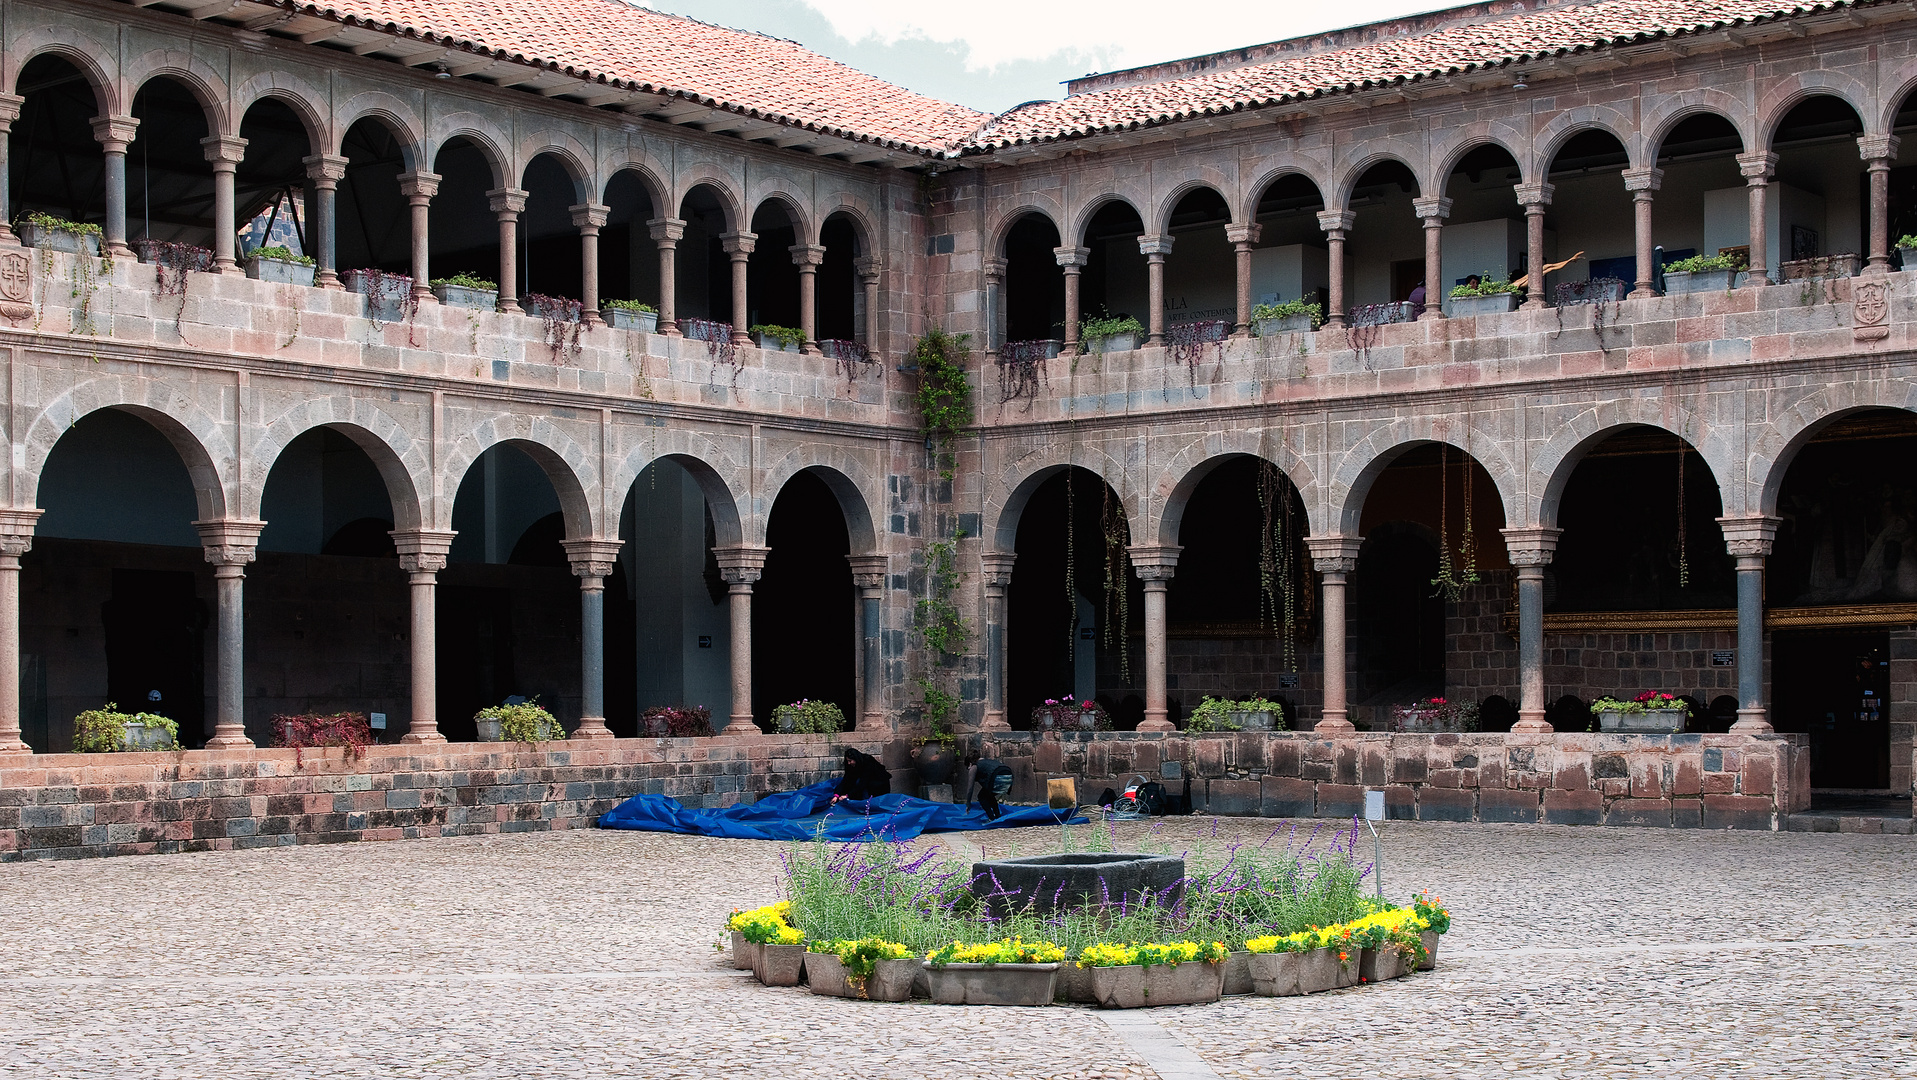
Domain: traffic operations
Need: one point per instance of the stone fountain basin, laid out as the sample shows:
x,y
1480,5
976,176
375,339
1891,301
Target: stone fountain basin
x,y
1032,882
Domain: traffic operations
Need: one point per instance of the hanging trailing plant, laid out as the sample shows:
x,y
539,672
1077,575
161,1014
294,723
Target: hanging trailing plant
x,y
937,617
1190,341
944,395
1021,369
1683,513
171,263
849,358
563,323
1277,585
1454,574
1117,535
718,338
1071,568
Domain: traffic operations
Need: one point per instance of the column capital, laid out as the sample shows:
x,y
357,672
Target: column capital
x,y
419,184
1072,258
1437,208
592,556
741,564
223,149
996,568
1243,234
114,132
738,243
868,267
868,571
1159,244
1334,554
1756,167
1749,535
1636,180
994,269
1531,546
806,256
16,530
423,551
1535,194
507,200
326,168
1154,562
1875,148
230,542
589,215
1336,220
667,229
10,108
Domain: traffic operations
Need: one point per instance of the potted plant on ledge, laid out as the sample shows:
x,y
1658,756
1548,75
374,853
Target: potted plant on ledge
x,y
1110,333
1653,712
1434,715
521,721
777,338
38,230
107,731
1700,273
1290,317
1071,715
1483,296
466,291
808,717
277,263
631,315
1907,250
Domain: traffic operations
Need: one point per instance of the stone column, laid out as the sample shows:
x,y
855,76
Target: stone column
x,y
868,573
1433,212
113,134
1643,185
868,267
9,112
325,171
994,305
225,152
1155,248
1073,260
1243,239
592,561
1534,198
1757,169
1335,224
589,218
16,537
508,203
419,187
1334,557
807,258
1154,564
1531,550
422,554
996,568
738,247
229,546
1749,541
1878,151
667,232
741,566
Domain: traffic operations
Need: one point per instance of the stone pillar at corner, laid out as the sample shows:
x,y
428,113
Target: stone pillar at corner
x,y
589,218
1243,238
1155,564
1749,540
738,248
16,538
740,566
868,573
507,204
230,546
1334,557
422,554
1531,550
592,560
996,568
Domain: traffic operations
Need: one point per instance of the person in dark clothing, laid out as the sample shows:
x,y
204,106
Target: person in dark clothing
x,y
865,777
994,780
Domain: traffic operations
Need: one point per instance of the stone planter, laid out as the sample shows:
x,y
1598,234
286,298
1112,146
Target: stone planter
x,y
1290,324
1430,939
646,322
1492,304
36,236
1124,342
893,980
772,344
463,297
389,301
1135,987
780,965
279,271
1319,970
1042,349
744,953
1074,984
1377,965
1649,722
1909,257
992,984
825,975
1280,974
1237,973
1044,883
489,730
1698,281
1253,721
139,737
1824,266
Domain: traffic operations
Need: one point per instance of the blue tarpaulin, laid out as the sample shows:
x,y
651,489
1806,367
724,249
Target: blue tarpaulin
x,y
809,813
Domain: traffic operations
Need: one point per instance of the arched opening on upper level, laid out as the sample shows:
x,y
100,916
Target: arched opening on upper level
x,y
1034,290
772,277
1818,205
374,229
550,261
1291,261
1113,282
1201,280
55,166
1902,205
1702,207
1485,237
703,270
1384,255
462,230
270,204
841,296
169,180
628,256
1591,212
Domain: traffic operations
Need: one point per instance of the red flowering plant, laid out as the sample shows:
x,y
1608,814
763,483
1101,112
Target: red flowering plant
x,y
1437,714
1087,715
1648,701
352,732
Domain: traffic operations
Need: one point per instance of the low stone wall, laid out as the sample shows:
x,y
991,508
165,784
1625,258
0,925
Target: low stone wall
x,y
1683,781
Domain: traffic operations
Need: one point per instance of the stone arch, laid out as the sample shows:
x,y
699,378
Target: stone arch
x,y
199,438
571,155
64,43
863,227
292,92
706,175
1901,83
1003,511
1553,463
1247,209
1355,172
1468,138
397,116
1043,205
1083,219
1180,479
564,461
1667,113
1773,451
1793,89
400,458
649,174
1614,122
485,137
802,223
850,484
708,460
1359,467
1160,222
189,71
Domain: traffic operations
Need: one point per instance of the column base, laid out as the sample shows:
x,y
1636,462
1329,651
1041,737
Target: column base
x,y
591,727
994,722
119,251
15,748
1752,722
229,737
417,738
1640,294
327,279
227,266
873,722
1535,304
1334,725
742,728
1531,723
1431,316
1157,725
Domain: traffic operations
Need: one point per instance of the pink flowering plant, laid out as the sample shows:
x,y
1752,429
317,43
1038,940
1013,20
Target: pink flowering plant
x,y
1087,715
1648,701
1437,714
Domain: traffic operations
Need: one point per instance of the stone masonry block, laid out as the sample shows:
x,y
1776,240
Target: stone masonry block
x,y
1505,805
1287,797
1446,804
1563,807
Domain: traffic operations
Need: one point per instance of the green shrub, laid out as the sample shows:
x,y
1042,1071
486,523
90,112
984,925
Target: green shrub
x,y
809,717
280,253
784,335
1214,714
1700,263
630,305
56,224
1098,328
1289,309
103,730
525,722
1486,287
466,281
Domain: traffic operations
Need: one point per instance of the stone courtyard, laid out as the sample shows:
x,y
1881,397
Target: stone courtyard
x,y
1576,952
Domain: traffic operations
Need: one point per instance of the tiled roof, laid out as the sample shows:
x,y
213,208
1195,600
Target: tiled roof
x,y
635,48
1447,51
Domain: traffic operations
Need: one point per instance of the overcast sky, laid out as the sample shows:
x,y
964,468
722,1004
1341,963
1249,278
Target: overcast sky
x,y
993,54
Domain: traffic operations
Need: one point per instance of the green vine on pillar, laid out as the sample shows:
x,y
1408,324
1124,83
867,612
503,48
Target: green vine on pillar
x,y
943,629
944,396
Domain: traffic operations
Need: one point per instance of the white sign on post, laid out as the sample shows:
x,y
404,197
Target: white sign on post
x,y
1375,811
1374,806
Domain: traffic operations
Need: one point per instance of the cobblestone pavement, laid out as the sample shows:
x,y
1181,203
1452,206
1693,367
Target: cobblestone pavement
x,y
1577,952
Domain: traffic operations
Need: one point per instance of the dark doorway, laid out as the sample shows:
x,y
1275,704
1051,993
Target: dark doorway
x,y
155,645
1836,687
1399,617
802,608
475,649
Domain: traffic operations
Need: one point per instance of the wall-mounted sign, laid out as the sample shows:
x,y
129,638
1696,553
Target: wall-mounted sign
x,y
1287,680
376,721
705,641
1724,658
